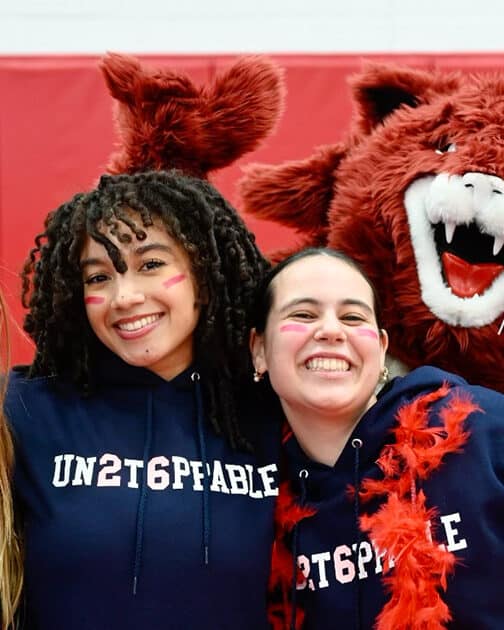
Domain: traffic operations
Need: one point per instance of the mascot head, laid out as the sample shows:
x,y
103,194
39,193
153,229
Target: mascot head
x,y
416,195
165,121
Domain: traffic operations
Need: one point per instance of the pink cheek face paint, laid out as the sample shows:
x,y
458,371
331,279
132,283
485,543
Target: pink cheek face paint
x,y
293,328
93,299
367,332
175,280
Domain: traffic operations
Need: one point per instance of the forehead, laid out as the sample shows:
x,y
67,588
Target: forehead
x,y
321,278
156,233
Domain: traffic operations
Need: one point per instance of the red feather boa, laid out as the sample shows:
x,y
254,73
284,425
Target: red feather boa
x,y
400,526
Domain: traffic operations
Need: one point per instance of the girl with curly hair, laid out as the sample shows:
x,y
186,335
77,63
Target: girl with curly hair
x,y
146,474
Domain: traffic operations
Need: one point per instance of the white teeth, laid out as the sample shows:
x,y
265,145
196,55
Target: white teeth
x,y
139,323
327,364
449,230
498,243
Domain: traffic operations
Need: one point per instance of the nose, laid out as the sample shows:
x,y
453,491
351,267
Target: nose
x,y
127,294
330,329
483,187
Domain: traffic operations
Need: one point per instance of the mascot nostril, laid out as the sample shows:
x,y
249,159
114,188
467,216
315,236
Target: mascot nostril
x,y
415,194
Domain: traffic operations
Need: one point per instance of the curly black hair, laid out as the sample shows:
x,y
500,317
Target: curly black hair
x,y
226,264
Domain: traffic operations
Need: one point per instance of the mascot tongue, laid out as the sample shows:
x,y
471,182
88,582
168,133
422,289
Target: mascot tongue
x,y
466,280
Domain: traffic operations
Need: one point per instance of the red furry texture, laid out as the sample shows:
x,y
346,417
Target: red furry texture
x,y
420,569
350,196
287,514
165,121
295,193
400,525
381,88
287,511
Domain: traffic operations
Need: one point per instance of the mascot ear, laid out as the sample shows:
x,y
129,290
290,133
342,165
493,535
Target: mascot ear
x,y
135,85
381,89
165,121
120,72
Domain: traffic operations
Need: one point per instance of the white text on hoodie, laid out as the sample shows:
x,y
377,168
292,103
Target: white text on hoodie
x,y
322,568
163,473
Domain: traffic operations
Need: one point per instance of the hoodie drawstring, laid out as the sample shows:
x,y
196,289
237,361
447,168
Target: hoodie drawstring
x,y
143,496
303,475
357,445
195,377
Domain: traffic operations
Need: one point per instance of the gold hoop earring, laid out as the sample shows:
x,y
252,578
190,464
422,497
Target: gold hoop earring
x,y
384,374
258,376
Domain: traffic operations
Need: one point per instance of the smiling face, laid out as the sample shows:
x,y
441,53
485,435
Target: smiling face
x,y
321,347
146,315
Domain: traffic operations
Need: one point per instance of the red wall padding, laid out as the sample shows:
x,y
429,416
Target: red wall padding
x,y
56,135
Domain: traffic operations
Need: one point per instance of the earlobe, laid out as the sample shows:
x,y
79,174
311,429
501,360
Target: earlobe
x,y
384,340
256,346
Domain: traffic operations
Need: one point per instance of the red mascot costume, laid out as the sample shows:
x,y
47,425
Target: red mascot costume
x,y
165,121
416,195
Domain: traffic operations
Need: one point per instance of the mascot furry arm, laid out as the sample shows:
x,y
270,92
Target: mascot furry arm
x,y
164,120
416,194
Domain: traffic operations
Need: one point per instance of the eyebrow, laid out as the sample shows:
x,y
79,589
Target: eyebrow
x,y
314,302
138,251
89,262
143,249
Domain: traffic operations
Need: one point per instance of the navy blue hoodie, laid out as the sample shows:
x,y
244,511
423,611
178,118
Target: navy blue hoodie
x,y
467,490
122,531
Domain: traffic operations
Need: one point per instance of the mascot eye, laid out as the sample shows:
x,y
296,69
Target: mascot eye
x,y
446,147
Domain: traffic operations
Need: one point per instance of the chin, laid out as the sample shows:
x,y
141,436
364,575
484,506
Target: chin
x,y
140,361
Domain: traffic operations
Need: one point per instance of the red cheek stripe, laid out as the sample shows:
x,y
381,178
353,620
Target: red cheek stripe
x,y
366,332
293,328
175,280
93,299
